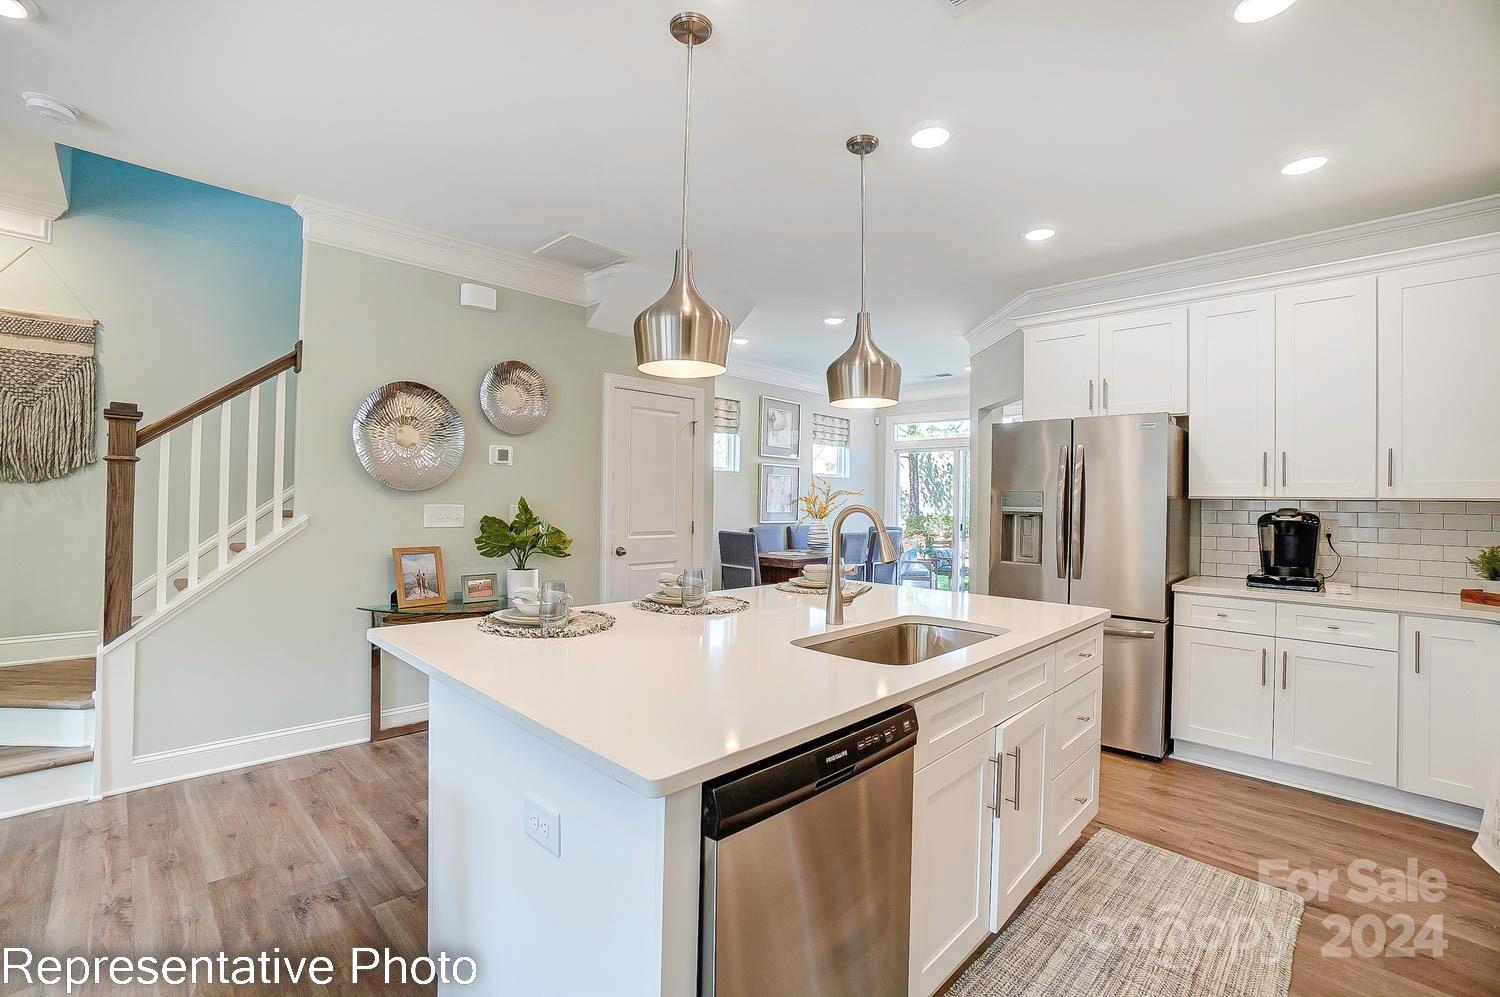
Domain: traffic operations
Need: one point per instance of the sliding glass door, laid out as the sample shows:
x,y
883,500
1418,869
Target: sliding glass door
x,y
928,484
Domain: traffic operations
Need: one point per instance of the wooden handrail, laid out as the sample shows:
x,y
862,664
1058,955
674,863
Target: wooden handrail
x,y
211,401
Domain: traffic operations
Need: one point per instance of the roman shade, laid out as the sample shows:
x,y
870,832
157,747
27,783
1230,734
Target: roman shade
x,y
726,415
830,430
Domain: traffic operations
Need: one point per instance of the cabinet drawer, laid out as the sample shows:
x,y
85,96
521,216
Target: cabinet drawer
x,y
1334,625
1072,803
1026,681
1078,654
956,715
1212,612
1075,719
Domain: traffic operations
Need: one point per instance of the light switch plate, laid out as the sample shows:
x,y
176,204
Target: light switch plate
x,y
443,516
543,824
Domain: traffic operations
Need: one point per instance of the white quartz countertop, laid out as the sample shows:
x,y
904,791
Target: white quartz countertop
x,y
1384,600
660,703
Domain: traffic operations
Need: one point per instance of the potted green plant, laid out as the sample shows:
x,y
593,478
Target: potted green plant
x,y
1486,564
527,535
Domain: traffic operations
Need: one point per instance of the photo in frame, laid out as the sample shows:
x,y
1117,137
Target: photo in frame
x,y
780,487
484,587
419,576
780,428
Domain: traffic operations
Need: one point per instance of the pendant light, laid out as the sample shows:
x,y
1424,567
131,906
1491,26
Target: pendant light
x,y
864,376
682,335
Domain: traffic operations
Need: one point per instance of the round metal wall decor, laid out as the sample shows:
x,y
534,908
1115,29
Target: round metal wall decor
x,y
514,397
408,436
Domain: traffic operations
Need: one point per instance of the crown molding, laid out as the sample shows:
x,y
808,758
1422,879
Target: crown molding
x,y
345,228
776,377
948,387
1266,264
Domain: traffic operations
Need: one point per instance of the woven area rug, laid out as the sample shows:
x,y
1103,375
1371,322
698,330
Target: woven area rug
x,y
1124,917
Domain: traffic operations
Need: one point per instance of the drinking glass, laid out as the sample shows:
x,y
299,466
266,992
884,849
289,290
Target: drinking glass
x,y
556,604
694,588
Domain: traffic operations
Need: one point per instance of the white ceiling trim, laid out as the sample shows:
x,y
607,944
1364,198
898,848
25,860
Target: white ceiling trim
x,y
1201,276
777,377
345,228
950,387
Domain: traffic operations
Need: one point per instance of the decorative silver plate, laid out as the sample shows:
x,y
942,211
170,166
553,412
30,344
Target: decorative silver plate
x,y
514,397
408,436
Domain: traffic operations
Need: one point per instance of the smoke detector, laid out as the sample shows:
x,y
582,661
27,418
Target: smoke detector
x,y
50,108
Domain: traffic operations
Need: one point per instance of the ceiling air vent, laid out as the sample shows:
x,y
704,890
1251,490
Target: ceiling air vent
x,y
956,7
576,251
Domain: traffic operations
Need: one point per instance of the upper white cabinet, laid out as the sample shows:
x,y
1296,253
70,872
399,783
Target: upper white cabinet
x,y
1060,371
1325,390
1143,360
1450,697
1439,352
1232,402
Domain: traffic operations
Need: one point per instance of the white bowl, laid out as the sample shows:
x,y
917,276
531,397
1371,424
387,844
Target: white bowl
x,y
526,601
671,591
820,572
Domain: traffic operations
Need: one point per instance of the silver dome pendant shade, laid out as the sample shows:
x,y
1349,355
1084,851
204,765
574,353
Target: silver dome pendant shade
x,y
682,335
864,376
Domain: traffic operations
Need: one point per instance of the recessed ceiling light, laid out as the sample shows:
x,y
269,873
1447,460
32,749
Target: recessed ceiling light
x,y
834,320
1307,164
17,10
1039,234
1255,11
740,341
50,108
930,136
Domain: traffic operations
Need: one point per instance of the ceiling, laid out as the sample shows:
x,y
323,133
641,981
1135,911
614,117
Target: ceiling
x,y
1142,130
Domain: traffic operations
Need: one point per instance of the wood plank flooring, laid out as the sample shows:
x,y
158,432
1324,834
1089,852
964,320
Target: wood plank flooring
x,y
20,759
327,851
48,685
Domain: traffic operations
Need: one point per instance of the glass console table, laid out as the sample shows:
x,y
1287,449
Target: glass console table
x,y
386,615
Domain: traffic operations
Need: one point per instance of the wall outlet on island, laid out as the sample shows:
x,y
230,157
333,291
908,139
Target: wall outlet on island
x,y
442,515
542,824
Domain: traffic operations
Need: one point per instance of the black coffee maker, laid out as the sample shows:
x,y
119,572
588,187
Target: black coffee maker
x,y
1288,551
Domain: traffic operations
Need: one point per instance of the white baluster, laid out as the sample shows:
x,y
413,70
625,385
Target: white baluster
x,y
252,459
278,476
163,499
195,496
225,424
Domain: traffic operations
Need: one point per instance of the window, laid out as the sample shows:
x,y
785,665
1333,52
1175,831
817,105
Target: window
x,y
830,452
726,434
945,429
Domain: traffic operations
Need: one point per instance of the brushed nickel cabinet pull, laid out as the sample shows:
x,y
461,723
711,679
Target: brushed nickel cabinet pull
x,y
1263,653
1085,719
994,803
1390,467
1091,396
1417,647
1080,799
1016,801
1283,671
1106,394
1265,468
1283,469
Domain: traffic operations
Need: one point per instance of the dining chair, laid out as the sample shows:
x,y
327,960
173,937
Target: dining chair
x,y
769,538
739,563
875,570
798,535
854,548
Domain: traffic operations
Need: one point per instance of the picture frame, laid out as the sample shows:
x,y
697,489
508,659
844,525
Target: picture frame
x,y
482,586
780,488
419,577
780,428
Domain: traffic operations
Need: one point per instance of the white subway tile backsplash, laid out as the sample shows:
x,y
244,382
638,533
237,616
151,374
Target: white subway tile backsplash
x,y
1376,581
1479,539
1388,505
1353,533
1419,584
1422,552
1445,507
1422,520
1399,567
1251,505
1379,550
1400,536
1379,519
1483,508
1355,506
1466,522
1233,517
1445,538
1443,569
1214,505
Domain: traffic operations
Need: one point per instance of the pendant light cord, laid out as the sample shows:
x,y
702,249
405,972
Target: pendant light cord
x,y
862,232
687,122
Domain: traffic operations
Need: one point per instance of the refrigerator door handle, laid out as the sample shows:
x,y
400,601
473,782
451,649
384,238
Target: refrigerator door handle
x,y
1062,511
1079,499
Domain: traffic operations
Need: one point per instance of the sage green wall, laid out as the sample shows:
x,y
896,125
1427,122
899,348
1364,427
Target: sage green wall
x,y
282,645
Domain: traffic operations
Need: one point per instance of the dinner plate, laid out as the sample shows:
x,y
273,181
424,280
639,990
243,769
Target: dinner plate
x,y
516,618
665,600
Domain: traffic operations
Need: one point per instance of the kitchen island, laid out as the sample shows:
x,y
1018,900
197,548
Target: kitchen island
x,y
565,776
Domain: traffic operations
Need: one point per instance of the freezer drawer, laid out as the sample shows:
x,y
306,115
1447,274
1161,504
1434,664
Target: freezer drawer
x,y
1135,686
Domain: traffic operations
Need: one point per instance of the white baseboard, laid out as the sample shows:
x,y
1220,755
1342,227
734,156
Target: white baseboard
x,y
46,728
44,789
48,647
1328,784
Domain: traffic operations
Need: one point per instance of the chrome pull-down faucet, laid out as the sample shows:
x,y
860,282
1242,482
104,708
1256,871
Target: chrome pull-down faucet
x,y
835,614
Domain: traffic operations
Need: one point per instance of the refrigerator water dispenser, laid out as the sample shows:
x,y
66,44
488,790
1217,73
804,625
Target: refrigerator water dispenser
x,y
1021,527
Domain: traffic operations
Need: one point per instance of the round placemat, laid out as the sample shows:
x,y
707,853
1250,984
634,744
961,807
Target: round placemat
x,y
851,589
583,623
714,605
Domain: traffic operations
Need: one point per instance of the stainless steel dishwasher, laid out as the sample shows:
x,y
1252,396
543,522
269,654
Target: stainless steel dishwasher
x,y
807,867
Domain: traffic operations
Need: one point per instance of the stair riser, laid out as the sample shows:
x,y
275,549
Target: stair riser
x,y
47,728
20,794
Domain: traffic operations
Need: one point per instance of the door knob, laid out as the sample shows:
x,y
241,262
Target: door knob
x,y
621,552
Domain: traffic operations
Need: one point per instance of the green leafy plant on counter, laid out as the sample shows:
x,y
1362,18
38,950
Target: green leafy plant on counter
x,y
524,537
1486,563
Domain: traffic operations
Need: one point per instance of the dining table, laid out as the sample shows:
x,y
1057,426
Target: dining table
x,y
784,565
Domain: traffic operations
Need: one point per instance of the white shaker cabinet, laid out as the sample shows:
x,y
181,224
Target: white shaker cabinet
x,y
1450,704
952,825
1325,390
1232,396
1222,689
1020,845
1336,709
1143,360
1060,371
1439,352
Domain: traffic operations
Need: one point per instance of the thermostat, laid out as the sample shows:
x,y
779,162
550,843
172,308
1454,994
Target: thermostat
x,y
500,454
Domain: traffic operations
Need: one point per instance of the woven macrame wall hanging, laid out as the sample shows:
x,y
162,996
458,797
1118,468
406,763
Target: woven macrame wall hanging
x,y
46,396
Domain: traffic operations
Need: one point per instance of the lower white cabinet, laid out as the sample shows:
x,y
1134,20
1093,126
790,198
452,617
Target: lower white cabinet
x,y
1072,802
952,824
1221,689
1020,840
1336,709
1450,701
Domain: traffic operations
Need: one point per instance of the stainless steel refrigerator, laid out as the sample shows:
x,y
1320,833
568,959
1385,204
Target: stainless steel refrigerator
x,y
1094,512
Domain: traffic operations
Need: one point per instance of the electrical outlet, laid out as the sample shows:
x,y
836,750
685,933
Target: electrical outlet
x,y
542,824
443,516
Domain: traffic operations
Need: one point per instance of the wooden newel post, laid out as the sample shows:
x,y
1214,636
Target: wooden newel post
x,y
119,517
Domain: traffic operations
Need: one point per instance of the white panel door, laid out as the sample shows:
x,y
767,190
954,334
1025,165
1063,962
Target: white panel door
x,y
952,824
1021,744
1450,702
1143,363
1439,351
1060,371
1232,396
1336,709
1221,689
1325,390
650,508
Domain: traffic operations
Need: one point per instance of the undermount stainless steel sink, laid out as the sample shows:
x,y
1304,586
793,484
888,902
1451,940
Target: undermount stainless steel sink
x,y
906,643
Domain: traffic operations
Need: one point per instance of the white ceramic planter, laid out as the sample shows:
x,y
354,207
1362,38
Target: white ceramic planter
x,y
522,578
1492,587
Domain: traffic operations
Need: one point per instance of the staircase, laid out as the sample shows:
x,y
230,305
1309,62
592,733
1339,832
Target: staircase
x,y
47,724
